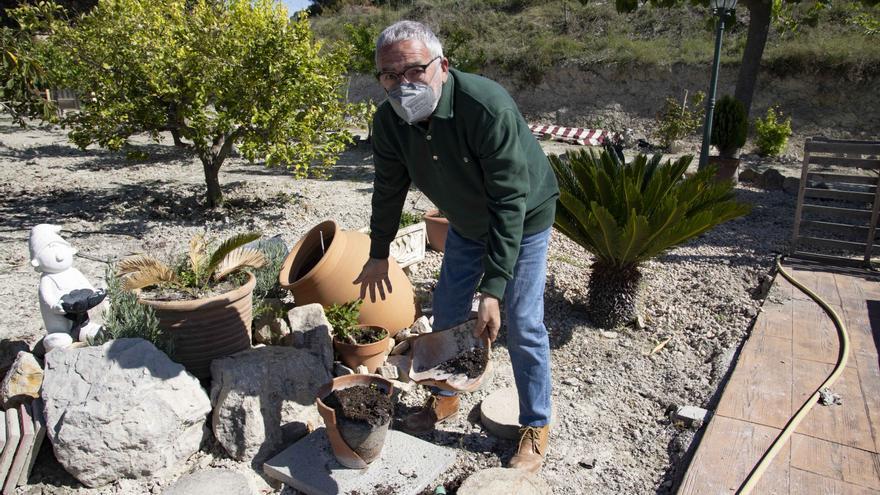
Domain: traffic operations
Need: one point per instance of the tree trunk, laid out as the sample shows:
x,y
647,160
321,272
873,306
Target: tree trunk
x,y
175,133
212,159
759,26
613,294
212,179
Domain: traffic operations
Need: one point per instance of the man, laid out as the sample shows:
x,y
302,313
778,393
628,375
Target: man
x,y
461,139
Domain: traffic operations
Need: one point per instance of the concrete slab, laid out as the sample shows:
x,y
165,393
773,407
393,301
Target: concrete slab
x,y
24,449
13,435
499,413
406,467
39,435
211,482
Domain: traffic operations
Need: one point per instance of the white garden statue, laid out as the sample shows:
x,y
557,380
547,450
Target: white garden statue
x,y
65,293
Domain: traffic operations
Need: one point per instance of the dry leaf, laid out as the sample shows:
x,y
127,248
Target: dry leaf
x,y
659,347
239,258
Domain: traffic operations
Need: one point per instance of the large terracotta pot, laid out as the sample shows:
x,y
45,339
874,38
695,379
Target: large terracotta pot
x,y
205,329
354,443
727,168
437,226
370,355
325,275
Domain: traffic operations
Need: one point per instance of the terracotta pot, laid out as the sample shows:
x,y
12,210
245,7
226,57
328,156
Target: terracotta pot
x,y
354,443
326,276
205,329
437,226
727,168
370,355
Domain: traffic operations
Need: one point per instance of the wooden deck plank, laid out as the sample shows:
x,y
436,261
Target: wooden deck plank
x,y
816,338
775,320
807,483
835,461
869,376
760,387
730,449
846,424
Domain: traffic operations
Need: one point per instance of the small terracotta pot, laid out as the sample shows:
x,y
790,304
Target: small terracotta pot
x,y
727,168
370,355
323,265
354,443
206,329
437,226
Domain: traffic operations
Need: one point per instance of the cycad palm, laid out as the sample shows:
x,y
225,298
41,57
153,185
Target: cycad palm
x,y
627,213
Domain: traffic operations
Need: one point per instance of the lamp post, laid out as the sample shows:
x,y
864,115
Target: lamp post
x,y
720,8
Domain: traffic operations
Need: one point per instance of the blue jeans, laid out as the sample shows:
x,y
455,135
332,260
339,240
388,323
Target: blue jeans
x,y
527,340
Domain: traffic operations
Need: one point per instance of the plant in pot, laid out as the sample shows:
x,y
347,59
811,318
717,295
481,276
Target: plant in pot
x,y
730,126
203,300
357,410
627,213
356,344
437,225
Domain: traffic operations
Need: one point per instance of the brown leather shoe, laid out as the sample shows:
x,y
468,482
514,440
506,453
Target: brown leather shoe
x,y
533,442
439,408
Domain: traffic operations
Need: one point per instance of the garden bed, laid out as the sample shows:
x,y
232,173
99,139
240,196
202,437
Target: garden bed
x,y
612,393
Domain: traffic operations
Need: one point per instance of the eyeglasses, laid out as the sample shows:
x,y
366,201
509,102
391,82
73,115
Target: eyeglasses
x,y
411,73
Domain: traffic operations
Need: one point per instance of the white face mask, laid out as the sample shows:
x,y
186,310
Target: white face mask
x,y
414,101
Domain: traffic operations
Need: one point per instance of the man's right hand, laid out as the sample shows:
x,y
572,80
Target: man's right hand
x,y
374,276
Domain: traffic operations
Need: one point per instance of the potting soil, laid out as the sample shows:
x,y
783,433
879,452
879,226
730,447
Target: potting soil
x,y
368,335
471,363
361,403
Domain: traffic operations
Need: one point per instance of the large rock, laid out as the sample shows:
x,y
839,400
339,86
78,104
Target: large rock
x,y
22,382
503,481
265,398
121,410
9,350
212,482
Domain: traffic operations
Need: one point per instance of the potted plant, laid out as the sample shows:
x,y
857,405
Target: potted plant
x,y
357,410
203,301
730,126
322,266
408,246
437,225
356,344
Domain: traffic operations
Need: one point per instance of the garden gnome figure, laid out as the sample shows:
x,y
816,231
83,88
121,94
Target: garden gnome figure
x,y
65,293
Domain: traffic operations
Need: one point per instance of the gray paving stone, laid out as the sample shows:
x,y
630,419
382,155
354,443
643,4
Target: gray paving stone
x,y
503,481
499,413
13,435
212,482
407,465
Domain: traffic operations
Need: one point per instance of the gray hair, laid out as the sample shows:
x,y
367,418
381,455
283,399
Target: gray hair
x,y
409,30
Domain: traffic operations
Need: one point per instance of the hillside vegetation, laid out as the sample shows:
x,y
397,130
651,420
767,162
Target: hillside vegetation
x,y
528,38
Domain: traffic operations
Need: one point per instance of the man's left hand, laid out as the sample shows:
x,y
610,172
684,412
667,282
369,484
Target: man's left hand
x,y
488,318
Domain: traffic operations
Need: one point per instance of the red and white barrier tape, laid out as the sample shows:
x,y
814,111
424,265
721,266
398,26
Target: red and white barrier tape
x,y
573,135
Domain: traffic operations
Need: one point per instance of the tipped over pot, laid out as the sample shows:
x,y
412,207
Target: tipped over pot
x,y
323,265
357,410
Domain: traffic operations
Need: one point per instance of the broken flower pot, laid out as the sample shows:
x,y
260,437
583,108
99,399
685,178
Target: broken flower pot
x,y
356,442
323,265
371,355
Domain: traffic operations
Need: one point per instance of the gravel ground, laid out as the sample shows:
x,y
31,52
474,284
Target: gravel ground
x,y
611,393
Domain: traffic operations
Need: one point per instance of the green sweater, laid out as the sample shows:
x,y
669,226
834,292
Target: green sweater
x,y
477,161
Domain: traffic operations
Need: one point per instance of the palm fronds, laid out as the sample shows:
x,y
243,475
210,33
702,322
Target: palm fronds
x,y
626,213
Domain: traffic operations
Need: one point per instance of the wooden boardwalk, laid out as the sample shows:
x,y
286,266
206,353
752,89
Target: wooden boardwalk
x,y
792,349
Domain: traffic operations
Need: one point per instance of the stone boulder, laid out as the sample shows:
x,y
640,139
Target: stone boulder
x,y
504,481
121,410
264,398
22,382
212,482
9,350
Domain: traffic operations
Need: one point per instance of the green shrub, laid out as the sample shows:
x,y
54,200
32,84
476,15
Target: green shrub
x,y
267,286
772,133
730,126
408,218
126,318
343,318
677,120
362,38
